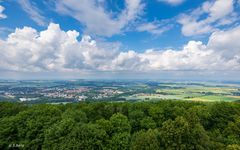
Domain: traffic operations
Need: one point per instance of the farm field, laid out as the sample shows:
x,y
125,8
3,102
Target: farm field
x,y
208,92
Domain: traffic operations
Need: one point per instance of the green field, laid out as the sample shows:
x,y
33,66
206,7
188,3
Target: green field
x,y
205,92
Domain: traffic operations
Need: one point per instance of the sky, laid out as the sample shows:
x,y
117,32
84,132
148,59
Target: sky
x,y
111,39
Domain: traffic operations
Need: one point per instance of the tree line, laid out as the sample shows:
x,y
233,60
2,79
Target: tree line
x,y
121,126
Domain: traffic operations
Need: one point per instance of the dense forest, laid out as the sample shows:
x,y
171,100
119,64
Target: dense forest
x,y
119,126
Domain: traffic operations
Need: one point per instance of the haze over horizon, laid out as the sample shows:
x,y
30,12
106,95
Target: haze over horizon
x,y
101,39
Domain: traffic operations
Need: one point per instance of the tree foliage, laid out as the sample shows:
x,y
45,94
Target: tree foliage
x,y
119,126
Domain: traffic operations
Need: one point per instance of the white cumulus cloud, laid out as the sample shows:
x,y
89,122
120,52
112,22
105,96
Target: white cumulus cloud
x,y
55,50
52,49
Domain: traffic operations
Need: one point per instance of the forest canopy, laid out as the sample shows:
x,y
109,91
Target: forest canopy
x,y
119,126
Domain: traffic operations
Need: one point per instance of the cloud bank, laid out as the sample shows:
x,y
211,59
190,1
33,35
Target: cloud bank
x,y
27,50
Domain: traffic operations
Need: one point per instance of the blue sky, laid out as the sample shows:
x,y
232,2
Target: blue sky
x,y
153,11
117,37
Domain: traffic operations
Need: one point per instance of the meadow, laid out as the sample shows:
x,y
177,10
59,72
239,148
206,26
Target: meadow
x,y
207,92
